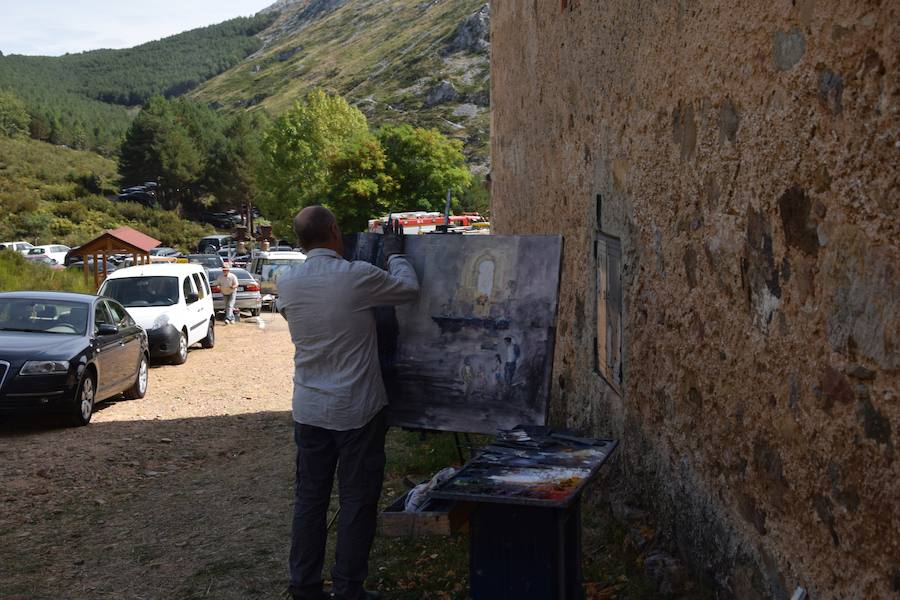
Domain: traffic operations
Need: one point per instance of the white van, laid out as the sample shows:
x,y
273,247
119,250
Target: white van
x,y
20,247
172,302
267,267
55,252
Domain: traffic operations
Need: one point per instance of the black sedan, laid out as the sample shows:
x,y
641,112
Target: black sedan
x,y
65,352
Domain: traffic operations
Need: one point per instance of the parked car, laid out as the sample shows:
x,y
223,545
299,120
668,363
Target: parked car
x,y
79,265
165,251
44,260
141,196
171,301
231,256
268,266
20,247
217,219
248,296
208,261
214,243
66,352
55,252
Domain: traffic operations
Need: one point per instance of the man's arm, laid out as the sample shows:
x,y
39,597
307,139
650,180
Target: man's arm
x,y
397,285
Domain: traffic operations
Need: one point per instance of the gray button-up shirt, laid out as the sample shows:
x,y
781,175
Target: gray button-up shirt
x,y
328,304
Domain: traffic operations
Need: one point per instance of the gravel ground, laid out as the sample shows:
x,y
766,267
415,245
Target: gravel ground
x,y
186,494
165,497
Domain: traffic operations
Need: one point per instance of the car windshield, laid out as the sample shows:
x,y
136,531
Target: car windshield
x,y
273,268
133,292
43,316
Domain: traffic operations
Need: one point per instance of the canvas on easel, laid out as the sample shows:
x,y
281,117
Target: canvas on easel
x,y
475,353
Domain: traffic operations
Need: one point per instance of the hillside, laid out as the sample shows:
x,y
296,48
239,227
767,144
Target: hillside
x,y
425,63
57,195
83,99
414,61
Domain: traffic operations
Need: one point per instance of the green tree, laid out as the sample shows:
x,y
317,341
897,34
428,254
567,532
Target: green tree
x,y
300,148
235,161
39,128
14,119
359,185
161,144
425,164
79,137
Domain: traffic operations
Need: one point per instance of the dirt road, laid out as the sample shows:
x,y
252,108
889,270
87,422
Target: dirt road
x,y
186,494
159,497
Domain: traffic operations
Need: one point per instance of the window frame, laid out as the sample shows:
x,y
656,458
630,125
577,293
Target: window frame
x,y
608,360
112,307
198,283
101,305
185,292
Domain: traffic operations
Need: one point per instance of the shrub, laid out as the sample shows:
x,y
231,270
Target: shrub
x,y
17,274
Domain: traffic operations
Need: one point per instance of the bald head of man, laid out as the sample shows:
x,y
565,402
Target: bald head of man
x,y
316,227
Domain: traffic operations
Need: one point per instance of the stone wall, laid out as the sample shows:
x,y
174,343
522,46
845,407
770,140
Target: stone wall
x,y
746,156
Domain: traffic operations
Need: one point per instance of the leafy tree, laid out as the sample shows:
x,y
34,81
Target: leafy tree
x,y
359,185
425,164
14,119
299,150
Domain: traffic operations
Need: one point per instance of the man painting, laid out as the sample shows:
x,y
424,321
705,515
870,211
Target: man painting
x,y
339,398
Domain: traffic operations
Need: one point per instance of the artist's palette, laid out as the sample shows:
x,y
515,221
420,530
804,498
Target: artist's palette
x,y
539,470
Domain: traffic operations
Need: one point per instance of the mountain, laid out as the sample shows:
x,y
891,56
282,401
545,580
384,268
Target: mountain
x,y
88,99
424,62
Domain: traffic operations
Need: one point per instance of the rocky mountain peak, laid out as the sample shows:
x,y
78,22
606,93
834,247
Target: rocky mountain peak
x,y
474,33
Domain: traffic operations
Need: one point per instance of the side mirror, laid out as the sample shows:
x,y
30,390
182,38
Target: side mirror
x,y
191,298
107,329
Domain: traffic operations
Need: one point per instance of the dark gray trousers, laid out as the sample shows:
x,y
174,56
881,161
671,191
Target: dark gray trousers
x,y
359,457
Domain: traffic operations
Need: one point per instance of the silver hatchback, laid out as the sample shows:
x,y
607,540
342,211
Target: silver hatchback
x,y
248,296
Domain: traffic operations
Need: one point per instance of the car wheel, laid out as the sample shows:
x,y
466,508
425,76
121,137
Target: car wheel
x,y
139,389
210,340
84,401
181,356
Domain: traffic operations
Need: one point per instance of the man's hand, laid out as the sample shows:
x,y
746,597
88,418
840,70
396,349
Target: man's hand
x,y
393,238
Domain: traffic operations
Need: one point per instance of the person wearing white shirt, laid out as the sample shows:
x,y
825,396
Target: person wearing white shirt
x,y
228,283
339,398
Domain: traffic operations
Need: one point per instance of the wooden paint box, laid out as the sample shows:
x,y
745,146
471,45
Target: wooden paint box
x,y
438,517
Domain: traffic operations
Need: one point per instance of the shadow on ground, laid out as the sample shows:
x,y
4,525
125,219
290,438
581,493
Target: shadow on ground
x,y
200,508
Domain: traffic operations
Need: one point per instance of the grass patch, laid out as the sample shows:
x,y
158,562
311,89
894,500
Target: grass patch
x,y
18,274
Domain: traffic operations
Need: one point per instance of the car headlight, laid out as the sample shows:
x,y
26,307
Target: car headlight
x,y
45,367
161,321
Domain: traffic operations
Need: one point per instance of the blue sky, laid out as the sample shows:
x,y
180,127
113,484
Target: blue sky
x,y
54,27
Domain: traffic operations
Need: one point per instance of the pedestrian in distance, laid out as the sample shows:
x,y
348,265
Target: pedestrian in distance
x,y
339,402
228,283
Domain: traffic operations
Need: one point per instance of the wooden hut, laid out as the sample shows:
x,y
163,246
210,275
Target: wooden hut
x,y
123,240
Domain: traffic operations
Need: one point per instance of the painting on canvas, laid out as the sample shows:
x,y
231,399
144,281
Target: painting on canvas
x,y
475,353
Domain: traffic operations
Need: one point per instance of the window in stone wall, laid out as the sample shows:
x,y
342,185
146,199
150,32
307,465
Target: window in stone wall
x,y
608,343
